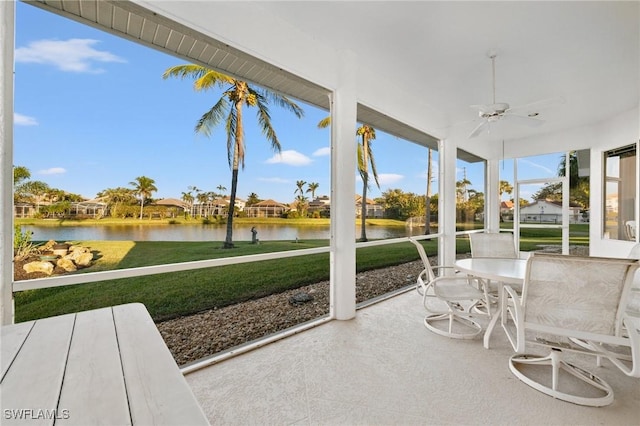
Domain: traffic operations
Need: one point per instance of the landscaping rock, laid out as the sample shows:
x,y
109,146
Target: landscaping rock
x,y
37,266
83,260
300,298
66,264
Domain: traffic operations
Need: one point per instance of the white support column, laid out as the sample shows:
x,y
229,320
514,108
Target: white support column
x,y
447,155
7,12
492,196
343,183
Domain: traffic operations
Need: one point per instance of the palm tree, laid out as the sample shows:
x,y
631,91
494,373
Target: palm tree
x,y
229,108
115,196
188,198
252,199
36,190
144,187
427,209
221,188
365,157
203,198
312,189
300,184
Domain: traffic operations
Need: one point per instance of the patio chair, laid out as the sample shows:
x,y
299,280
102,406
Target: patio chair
x,y
572,304
633,305
451,292
630,229
492,245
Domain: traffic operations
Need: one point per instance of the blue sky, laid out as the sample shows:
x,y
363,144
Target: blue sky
x,y
92,112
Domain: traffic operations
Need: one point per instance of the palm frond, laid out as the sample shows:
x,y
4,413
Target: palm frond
x,y
324,123
185,71
264,119
213,117
373,165
282,101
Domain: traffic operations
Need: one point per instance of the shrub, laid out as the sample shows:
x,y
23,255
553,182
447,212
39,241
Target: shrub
x,y
23,247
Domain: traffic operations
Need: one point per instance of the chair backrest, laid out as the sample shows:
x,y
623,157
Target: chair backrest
x,y
630,228
425,259
575,293
500,245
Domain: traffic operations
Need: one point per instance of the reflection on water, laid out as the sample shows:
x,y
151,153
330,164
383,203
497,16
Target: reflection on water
x,y
201,232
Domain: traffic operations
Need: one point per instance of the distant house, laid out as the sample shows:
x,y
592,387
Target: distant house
x,y
506,210
90,208
373,209
266,208
173,202
549,211
22,210
322,205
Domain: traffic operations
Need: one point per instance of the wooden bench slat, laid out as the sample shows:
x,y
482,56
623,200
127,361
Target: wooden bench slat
x,y
36,374
159,399
93,391
13,337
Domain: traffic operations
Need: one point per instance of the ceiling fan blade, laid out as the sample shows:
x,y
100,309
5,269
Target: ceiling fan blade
x,y
479,128
538,105
523,119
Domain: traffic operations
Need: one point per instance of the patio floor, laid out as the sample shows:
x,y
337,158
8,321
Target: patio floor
x,y
384,367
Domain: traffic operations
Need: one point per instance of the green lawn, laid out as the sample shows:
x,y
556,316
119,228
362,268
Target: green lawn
x,y
180,293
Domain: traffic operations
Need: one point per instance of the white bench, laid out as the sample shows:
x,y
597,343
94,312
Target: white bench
x,y
105,366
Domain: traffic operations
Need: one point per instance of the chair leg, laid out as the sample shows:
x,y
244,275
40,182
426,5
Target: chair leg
x,y
452,318
554,360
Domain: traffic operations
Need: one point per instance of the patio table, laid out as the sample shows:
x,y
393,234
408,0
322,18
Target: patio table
x,y
104,366
502,271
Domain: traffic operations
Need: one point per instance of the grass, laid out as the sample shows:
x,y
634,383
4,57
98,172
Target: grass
x,y
181,293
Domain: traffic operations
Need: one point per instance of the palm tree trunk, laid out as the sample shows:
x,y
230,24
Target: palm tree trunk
x,y
141,206
427,219
228,242
363,214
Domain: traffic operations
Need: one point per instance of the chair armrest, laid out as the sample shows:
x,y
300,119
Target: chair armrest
x,y
632,326
512,308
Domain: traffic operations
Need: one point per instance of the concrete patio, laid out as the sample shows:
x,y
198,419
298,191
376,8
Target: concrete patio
x,y
385,367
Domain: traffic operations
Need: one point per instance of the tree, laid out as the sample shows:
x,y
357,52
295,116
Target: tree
x,y
462,193
427,218
312,187
300,187
236,95
365,158
252,199
20,173
505,186
144,187
36,191
115,196
221,188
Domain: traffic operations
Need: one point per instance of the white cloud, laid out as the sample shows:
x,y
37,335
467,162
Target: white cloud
x,y
322,152
52,171
274,180
24,120
73,55
385,179
290,158
538,166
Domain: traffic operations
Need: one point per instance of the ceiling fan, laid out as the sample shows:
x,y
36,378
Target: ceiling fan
x,y
525,114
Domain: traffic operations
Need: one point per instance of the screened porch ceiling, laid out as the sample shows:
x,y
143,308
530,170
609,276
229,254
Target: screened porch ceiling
x,y
586,53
